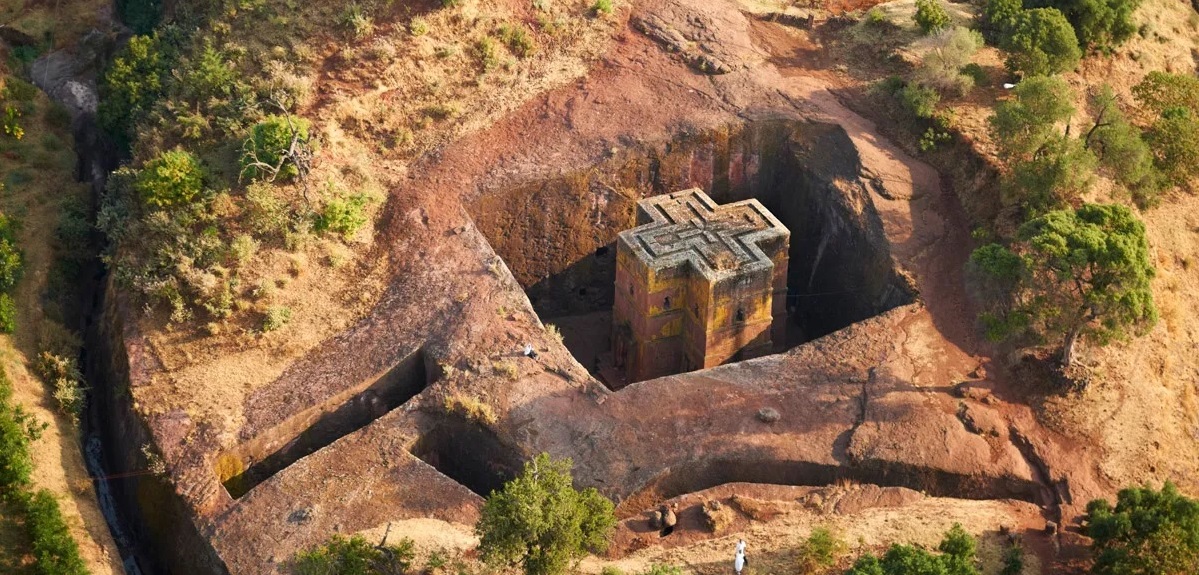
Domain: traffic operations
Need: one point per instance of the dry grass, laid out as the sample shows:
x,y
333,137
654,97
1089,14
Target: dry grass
x,y
37,172
471,408
377,100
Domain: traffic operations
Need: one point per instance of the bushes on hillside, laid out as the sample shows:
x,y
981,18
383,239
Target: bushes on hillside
x,y
354,556
943,66
539,522
1098,24
931,16
1148,531
1041,43
270,151
1083,273
1172,101
171,179
54,550
957,558
131,85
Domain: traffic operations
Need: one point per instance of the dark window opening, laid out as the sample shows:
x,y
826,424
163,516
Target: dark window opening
x,y
582,291
601,251
740,315
666,303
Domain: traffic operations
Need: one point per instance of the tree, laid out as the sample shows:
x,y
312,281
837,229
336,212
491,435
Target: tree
x,y
1148,533
958,549
957,558
277,148
930,16
539,521
1054,177
130,86
1102,24
1098,24
1041,43
950,50
173,178
1121,149
920,100
1174,139
1160,91
1086,272
819,551
354,556
999,19
1024,124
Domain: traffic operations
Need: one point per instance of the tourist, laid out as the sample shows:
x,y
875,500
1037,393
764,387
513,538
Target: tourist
x,y
529,351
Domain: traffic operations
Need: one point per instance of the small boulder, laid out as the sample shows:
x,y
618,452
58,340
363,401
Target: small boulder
x,y
768,415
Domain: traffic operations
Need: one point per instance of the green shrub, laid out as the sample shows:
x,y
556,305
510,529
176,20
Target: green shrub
x,y
488,55
140,15
977,74
957,558
819,551
267,154
344,216
276,317
8,314
66,381
10,264
930,16
354,556
920,100
541,523
267,214
1174,139
1041,43
1024,124
998,19
355,19
1148,531
950,50
16,464
1013,560
602,7
208,76
1160,91
172,179
54,550
1098,24
1055,177
418,26
451,3
931,138
518,40
130,86
660,569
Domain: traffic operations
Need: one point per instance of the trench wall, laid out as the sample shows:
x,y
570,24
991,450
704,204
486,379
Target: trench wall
x,y
557,234
161,520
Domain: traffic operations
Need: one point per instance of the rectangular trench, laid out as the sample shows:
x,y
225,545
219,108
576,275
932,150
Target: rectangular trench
x,y
254,462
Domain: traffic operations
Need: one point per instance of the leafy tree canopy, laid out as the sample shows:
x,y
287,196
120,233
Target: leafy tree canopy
x,y
540,522
1024,124
172,178
1042,43
1086,272
1055,177
131,84
354,556
1162,91
930,16
999,18
1148,532
1121,149
957,558
266,153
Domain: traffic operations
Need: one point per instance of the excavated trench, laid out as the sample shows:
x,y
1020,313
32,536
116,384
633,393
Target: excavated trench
x,y
557,235
469,454
309,431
